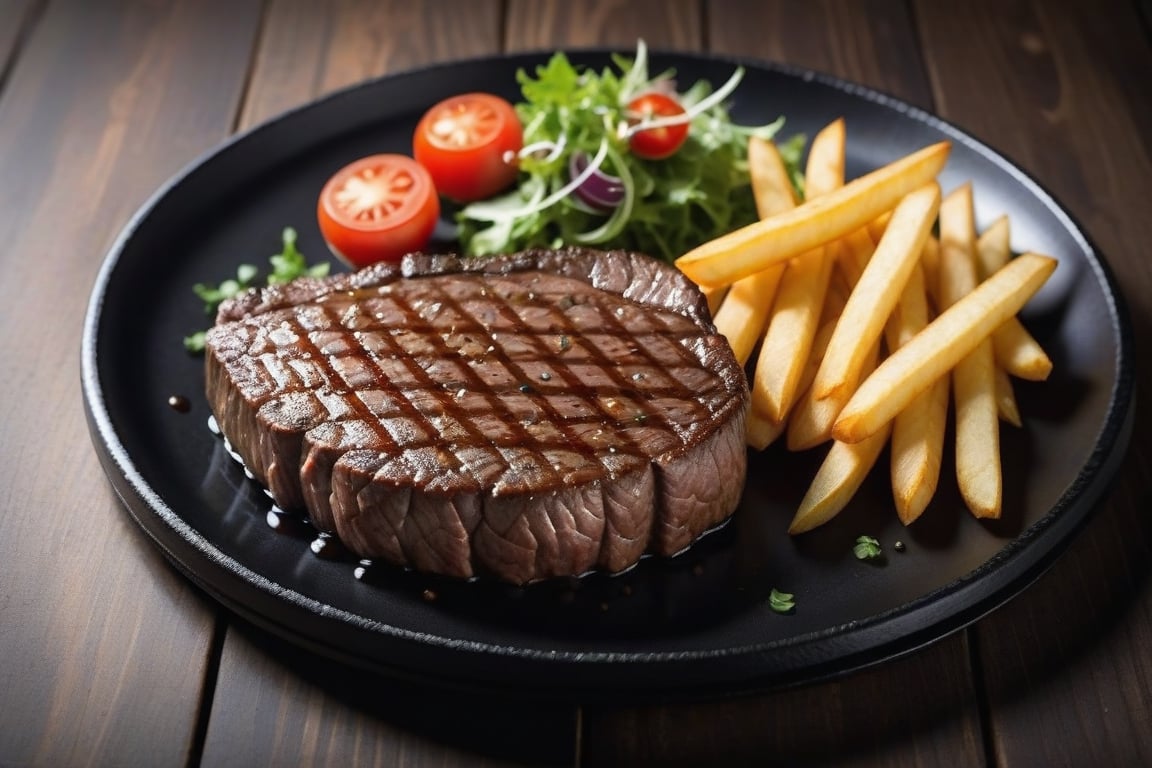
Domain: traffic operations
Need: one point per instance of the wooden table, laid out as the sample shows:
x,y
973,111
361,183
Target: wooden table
x,y
109,657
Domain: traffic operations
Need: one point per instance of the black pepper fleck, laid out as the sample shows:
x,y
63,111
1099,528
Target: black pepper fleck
x,y
898,546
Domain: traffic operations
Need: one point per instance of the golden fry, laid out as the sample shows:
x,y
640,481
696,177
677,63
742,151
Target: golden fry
x,y
771,186
978,468
810,422
741,316
857,252
715,297
787,342
1016,350
743,312
945,341
837,480
760,431
816,222
877,293
1019,353
918,450
1006,399
918,430
993,247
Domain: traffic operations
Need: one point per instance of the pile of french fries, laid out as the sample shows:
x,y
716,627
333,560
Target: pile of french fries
x,y
875,306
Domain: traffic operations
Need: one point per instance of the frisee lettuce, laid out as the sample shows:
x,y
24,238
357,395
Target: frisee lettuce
x,y
670,206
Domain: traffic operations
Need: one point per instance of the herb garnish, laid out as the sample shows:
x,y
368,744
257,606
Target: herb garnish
x,y
867,548
781,602
286,266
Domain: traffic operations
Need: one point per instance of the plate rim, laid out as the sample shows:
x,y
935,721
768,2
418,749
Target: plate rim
x,y
971,593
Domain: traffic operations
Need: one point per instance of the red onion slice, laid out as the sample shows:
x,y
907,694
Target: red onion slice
x,y
600,190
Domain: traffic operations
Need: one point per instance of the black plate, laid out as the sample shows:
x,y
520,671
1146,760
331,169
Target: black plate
x,y
694,624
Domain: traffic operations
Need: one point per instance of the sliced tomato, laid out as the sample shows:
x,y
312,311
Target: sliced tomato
x,y
378,208
661,141
469,144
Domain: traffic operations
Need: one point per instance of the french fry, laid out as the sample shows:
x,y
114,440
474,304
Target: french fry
x,y
877,292
815,223
978,469
1016,350
1006,399
714,295
787,341
810,422
877,226
857,252
771,186
933,352
930,263
837,480
741,315
993,247
760,431
918,450
918,430
1019,353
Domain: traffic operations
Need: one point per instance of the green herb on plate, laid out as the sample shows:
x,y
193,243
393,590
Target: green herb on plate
x,y
286,266
867,548
781,602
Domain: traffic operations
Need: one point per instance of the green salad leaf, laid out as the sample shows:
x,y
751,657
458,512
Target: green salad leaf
x,y
669,205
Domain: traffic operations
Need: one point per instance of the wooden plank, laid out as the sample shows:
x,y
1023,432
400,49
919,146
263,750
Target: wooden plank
x,y
278,705
104,647
273,704
549,24
870,714
870,42
878,717
309,49
1063,89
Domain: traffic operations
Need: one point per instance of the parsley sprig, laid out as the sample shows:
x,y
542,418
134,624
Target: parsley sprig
x,y
781,602
867,548
286,266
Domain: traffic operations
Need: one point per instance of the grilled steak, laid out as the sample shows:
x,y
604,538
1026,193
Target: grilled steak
x,y
527,416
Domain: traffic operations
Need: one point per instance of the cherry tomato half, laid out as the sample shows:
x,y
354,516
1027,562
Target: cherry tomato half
x,y
378,208
663,141
469,144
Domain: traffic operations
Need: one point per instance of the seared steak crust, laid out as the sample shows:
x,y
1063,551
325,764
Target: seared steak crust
x,y
528,416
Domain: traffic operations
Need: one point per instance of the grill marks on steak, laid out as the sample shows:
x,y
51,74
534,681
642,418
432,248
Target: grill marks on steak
x,y
527,416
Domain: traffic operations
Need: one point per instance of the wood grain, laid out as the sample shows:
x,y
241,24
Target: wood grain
x,y
868,718
309,49
103,647
550,24
871,41
1065,90
278,705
